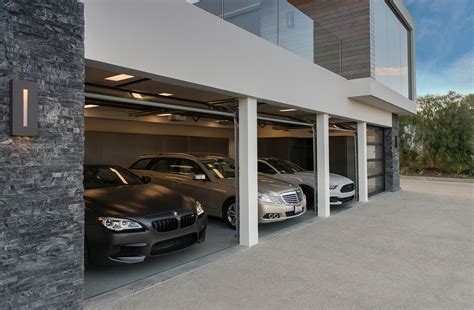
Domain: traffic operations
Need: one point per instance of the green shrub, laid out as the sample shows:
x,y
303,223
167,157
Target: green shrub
x,y
439,139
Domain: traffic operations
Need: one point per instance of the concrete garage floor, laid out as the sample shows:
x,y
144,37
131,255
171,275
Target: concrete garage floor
x,y
219,237
102,279
411,249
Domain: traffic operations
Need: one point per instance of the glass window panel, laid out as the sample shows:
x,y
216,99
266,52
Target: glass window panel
x,y
269,20
391,49
374,135
245,14
212,6
290,24
381,41
392,71
374,151
296,31
404,61
374,168
376,184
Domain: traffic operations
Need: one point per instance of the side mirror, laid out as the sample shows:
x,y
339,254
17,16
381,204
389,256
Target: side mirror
x,y
200,177
146,179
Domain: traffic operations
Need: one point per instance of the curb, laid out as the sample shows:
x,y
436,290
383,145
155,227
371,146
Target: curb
x,y
439,179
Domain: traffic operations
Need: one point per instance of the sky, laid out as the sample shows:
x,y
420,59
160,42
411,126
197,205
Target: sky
x,y
444,45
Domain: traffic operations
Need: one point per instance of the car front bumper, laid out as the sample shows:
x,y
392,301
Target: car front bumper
x,y
268,213
106,246
337,198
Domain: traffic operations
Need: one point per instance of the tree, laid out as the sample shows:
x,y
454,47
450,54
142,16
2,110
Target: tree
x,y
441,132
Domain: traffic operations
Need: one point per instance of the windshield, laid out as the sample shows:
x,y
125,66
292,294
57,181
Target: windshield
x,y
285,166
104,176
221,168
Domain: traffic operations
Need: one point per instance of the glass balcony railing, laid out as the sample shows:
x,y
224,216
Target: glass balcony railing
x,y
283,24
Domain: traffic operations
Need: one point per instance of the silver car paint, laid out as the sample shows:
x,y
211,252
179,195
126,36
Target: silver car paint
x,y
307,178
212,192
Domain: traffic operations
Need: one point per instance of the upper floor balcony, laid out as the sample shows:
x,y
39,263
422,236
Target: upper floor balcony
x,y
353,38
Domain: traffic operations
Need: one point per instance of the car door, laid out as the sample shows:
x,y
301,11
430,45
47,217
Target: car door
x,y
266,169
182,176
165,172
269,171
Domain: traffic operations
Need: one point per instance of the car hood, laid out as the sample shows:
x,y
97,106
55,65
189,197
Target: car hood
x,y
308,177
135,200
266,185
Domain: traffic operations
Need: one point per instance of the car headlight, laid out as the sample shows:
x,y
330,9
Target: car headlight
x,y
267,198
118,224
199,208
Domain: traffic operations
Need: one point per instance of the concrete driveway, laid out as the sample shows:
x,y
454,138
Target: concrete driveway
x,y
412,249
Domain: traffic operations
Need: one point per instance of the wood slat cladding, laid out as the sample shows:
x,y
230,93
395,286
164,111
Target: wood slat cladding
x,y
349,20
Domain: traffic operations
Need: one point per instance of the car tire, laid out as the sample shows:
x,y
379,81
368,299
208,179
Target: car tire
x,y
229,212
309,193
202,235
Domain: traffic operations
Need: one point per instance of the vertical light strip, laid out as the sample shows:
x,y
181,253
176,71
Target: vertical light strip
x,y
25,107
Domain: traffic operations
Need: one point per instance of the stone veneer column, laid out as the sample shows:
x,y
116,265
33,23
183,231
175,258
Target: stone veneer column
x,y
41,203
392,156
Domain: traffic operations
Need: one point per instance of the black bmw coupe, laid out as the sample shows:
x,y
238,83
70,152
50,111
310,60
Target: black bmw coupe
x,y
128,219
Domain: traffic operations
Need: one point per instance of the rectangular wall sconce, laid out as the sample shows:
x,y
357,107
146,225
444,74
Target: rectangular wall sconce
x,y
24,108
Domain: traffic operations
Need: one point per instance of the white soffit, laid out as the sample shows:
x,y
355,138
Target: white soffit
x,y
174,40
374,93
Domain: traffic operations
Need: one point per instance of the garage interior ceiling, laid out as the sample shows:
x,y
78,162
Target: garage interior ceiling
x,y
145,89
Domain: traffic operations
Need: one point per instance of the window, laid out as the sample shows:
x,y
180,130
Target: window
x,y
376,185
285,166
177,166
391,49
108,176
374,151
142,164
286,23
375,160
221,168
264,168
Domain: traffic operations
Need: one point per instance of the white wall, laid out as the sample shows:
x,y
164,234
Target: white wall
x,y
174,41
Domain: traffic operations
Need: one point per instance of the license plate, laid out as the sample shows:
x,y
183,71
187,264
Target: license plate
x,y
298,209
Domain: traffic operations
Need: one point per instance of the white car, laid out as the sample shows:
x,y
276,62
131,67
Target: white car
x,y
341,188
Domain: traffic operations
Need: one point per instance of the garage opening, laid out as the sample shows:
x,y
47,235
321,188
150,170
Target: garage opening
x,y
287,152
185,141
180,138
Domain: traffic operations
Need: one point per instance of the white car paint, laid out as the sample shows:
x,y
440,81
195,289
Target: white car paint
x,y
336,182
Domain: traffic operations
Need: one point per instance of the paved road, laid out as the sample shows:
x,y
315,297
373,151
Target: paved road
x,y
412,250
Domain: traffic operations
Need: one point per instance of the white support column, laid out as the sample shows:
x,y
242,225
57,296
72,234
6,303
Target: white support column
x,y
322,137
362,161
248,184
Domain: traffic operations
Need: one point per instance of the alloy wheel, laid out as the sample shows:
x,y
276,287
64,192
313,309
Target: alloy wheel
x,y
232,214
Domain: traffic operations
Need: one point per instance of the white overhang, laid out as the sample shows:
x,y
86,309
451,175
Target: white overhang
x,y
174,41
374,93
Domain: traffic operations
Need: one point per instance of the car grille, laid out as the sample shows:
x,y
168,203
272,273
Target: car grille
x,y
347,188
337,199
188,220
175,244
124,250
346,199
164,225
292,197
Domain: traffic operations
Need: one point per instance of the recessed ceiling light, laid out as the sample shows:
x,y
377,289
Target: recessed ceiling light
x,y
88,106
164,114
119,77
137,96
166,94
288,110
